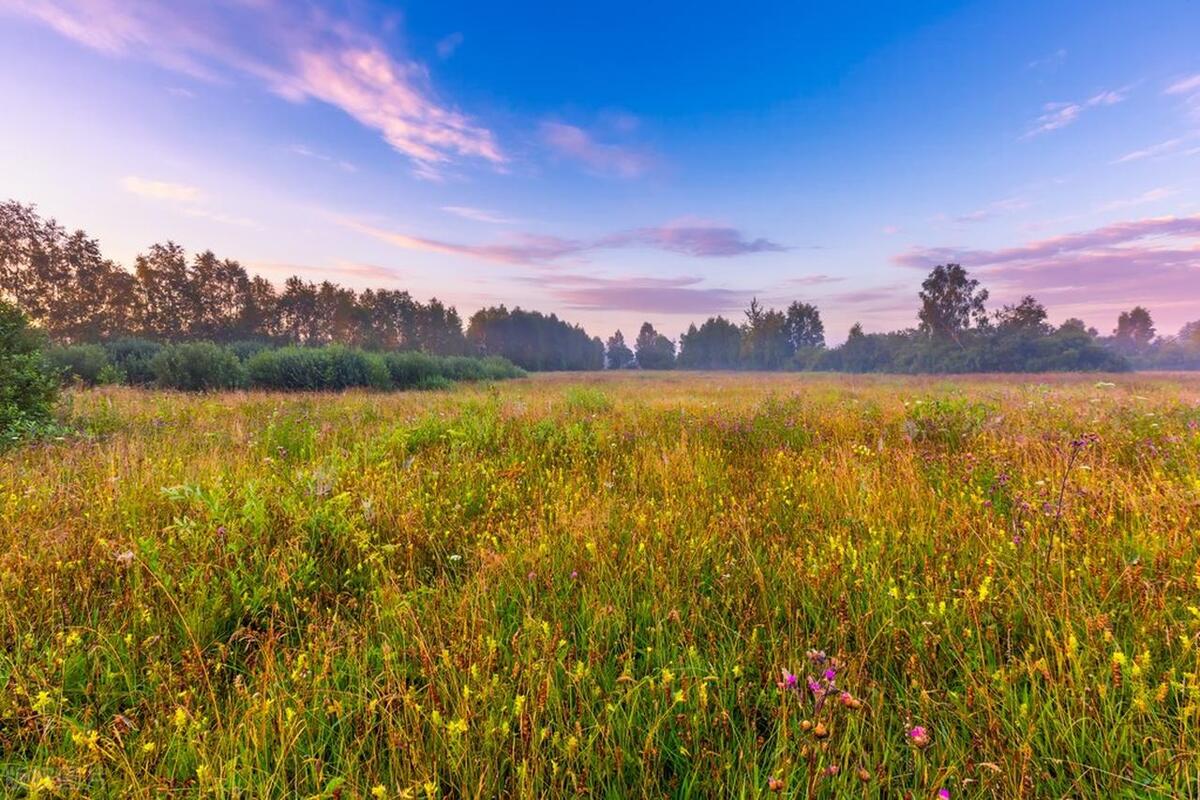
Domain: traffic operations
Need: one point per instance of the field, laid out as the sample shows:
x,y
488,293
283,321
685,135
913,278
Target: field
x,y
611,586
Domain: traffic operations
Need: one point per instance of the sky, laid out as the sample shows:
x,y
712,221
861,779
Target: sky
x,y
628,161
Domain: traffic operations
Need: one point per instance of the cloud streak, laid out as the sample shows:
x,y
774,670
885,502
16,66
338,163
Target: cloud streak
x,y
576,144
161,190
1154,260
695,240
680,295
1060,115
296,52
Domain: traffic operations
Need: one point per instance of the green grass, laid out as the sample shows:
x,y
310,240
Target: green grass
x,y
592,585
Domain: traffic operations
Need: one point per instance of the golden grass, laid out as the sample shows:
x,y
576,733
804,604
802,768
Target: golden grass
x,y
599,584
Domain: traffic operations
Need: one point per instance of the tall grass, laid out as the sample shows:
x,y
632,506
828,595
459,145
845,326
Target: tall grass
x,y
683,586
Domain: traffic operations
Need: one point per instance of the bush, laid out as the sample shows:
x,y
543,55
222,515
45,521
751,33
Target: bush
x,y
133,358
245,349
197,367
409,369
317,368
85,363
28,386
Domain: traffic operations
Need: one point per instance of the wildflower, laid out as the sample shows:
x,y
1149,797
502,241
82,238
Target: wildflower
x,y
943,794
379,791
820,731
180,717
918,736
667,676
864,775
148,747
574,574
775,784
789,681
830,674
849,701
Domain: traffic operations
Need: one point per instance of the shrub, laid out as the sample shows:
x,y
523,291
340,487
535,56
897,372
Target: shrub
x,y
317,368
133,358
409,369
85,363
28,386
245,349
197,367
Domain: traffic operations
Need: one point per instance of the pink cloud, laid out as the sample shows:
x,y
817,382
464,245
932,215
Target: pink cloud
x,y
681,295
299,53
577,144
1154,261
697,240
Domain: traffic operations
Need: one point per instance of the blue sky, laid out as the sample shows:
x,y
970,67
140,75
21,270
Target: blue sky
x,y
622,162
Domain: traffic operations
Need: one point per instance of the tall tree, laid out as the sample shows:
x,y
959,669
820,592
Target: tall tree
x,y
950,301
765,343
1134,331
617,354
1028,316
716,344
653,350
803,327
169,301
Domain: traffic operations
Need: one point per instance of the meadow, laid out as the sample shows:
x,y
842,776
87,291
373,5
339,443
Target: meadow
x,y
618,585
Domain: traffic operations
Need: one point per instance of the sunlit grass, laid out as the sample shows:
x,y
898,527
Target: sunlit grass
x,y
617,586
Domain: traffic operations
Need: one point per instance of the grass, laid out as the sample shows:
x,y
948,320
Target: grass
x,y
582,585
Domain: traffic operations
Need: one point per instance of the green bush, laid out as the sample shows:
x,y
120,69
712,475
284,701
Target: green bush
x,y
197,367
245,349
86,363
408,369
28,385
317,368
133,358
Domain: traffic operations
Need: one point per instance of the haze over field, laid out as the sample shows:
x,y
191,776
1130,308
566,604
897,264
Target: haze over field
x,y
619,163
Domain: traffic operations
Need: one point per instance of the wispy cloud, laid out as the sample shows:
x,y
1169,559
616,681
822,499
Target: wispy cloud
x,y
696,240
994,209
1171,147
1154,260
1149,196
308,152
1060,115
341,268
479,215
161,190
186,199
1189,89
448,44
681,295
576,144
296,51
1055,59
1185,85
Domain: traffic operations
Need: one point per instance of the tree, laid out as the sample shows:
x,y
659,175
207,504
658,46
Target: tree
x,y
1134,331
803,326
1028,316
716,344
617,354
654,351
533,340
950,301
765,343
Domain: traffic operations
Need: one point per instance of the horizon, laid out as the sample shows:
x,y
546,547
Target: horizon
x,y
595,168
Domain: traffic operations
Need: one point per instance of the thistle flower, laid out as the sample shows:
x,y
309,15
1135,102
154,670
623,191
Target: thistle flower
x,y
918,736
943,794
789,680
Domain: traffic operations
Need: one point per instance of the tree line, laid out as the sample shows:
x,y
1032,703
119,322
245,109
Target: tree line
x,y
65,285
955,333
